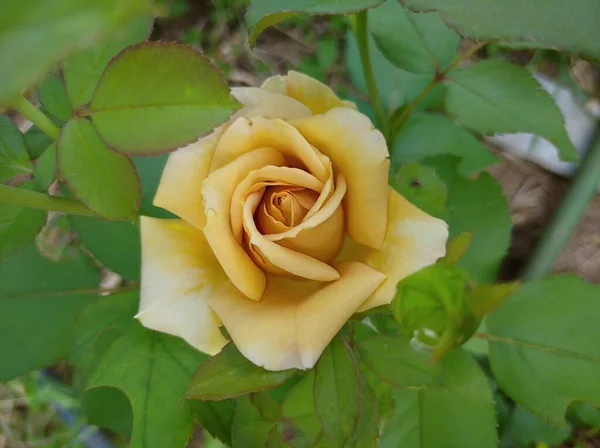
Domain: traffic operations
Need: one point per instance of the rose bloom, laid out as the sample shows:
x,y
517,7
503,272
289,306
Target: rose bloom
x,y
288,227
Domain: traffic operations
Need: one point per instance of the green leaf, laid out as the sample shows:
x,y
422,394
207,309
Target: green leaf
x,y
36,34
338,391
36,141
150,170
394,360
457,247
418,43
367,429
265,13
586,413
274,440
483,299
544,343
229,374
249,429
298,407
13,155
555,24
461,414
106,182
45,168
116,244
108,407
152,369
396,87
19,226
175,97
39,300
95,321
496,96
215,417
53,96
477,206
525,429
421,186
83,69
426,135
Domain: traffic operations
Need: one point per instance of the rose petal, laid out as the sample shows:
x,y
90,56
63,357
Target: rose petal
x,y
360,153
246,135
258,179
293,323
314,94
267,104
179,275
217,192
413,240
179,187
295,263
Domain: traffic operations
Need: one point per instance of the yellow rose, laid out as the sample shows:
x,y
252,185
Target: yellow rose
x,y
287,228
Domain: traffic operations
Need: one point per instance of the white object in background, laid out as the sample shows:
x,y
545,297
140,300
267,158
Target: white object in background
x,y
580,125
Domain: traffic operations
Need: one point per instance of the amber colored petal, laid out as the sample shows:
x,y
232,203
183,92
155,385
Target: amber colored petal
x,y
317,96
267,104
179,275
217,192
179,187
413,240
294,322
259,179
359,152
283,258
246,135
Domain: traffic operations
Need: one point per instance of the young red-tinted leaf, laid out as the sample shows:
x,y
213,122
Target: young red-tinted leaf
x,y
19,225
553,24
41,33
152,369
45,168
550,327
115,244
496,96
229,374
421,186
13,155
275,440
83,69
39,300
462,411
338,391
394,360
53,96
106,182
419,43
425,135
156,97
265,13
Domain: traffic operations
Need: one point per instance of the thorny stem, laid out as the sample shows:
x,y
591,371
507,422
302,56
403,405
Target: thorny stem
x,y
38,118
41,201
568,215
399,121
361,32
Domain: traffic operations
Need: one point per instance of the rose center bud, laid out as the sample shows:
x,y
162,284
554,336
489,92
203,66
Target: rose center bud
x,y
283,208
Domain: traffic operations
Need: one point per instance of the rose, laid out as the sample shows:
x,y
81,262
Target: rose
x,y
288,227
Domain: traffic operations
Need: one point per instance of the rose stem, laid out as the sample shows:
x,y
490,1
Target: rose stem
x,y
32,113
41,201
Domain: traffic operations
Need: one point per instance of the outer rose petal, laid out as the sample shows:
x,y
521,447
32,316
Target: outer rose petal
x,y
293,323
246,135
217,192
413,240
179,275
186,168
268,104
316,95
359,152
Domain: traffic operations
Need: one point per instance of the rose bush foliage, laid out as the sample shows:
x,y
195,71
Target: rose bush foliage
x,y
288,227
